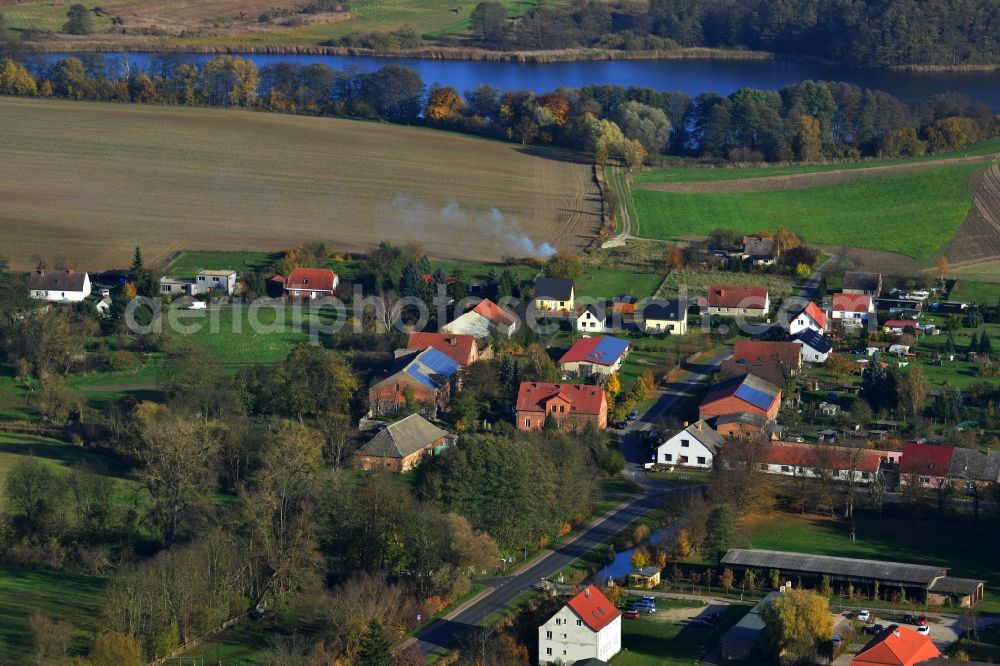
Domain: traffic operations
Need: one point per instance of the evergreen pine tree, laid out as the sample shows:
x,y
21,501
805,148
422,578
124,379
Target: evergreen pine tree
x,y
985,344
138,267
375,648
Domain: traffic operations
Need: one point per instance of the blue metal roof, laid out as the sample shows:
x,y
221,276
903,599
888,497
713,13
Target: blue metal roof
x,y
755,397
430,366
608,350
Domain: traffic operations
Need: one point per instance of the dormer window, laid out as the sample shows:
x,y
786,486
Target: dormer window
x,y
305,280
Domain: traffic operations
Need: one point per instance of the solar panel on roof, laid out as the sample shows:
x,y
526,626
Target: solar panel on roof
x,y
439,363
755,397
415,372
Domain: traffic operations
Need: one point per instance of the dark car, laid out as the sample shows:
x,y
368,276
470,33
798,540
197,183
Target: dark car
x,y
699,622
633,415
874,629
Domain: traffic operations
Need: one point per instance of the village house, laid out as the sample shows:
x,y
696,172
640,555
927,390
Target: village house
x,y
971,469
65,286
460,348
815,347
760,251
663,316
788,354
592,319
554,295
204,281
736,301
401,446
856,282
311,283
852,310
748,394
423,377
646,577
767,369
925,465
602,356
694,446
743,426
587,627
896,646
569,404
811,317
483,320
814,461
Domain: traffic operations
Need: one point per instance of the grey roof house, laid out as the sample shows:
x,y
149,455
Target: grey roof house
x,y
400,446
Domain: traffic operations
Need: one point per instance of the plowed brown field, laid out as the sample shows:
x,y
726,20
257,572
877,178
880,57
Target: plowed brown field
x,y
84,183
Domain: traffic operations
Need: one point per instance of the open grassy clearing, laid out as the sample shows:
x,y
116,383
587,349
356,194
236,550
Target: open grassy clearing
x,y
988,271
187,263
984,293
958,543
606,283
684,174
234,180
697,283
656,640
915,214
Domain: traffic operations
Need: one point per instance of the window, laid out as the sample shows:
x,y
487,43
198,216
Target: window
x,y
865,475
786,468
548,651
548,635
579,623
527,423
682,459
562,304
925,479
685,443
305,280
562,408
701,460
762,467
667,457
558,621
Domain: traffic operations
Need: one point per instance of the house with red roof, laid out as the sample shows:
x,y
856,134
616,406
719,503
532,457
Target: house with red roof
x,y
813,461
810,317
587,627
311,283
899,326
484,319
738,301
570,404
460,348
602,355
896,646
926,465
742,395
852,309
787,354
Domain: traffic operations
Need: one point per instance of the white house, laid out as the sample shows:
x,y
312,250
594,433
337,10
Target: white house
x,y
695,446
587,627
224,281
602,355
481,321
815,347
810,318
591,320
67,286
852,309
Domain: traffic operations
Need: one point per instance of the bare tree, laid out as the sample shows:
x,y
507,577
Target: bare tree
x,y
741,482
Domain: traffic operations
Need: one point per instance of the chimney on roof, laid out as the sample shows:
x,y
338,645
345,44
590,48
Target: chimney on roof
x,y
586,592
686,424
895,632
452,341
699,424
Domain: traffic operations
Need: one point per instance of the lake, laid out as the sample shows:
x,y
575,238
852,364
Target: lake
x,y
688,76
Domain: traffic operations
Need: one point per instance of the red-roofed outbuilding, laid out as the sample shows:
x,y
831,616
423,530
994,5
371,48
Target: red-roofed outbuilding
x,y
896,646
311,283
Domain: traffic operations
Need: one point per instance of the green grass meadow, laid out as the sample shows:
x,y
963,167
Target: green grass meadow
x,y
188,263
914,214
651,641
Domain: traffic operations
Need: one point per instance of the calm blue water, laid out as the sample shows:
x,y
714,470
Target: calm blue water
x,y
689,76
622,563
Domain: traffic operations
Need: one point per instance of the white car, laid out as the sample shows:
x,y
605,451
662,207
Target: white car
x,y
925,630
864,615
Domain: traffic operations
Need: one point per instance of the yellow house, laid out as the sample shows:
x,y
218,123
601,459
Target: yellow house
x,y
554,294
665,317
648,577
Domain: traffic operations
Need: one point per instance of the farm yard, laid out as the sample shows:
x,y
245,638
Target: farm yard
x,y
93,180
914,213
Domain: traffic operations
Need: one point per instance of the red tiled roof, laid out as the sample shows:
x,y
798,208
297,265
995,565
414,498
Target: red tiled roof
x,y
460,348
814,312
805,455
900,323
585,399
595,609
729,296
896,646
494,313
928,459
852,303
311,279
752,351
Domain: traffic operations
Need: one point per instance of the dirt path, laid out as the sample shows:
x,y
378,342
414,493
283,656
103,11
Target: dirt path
x,y
804,180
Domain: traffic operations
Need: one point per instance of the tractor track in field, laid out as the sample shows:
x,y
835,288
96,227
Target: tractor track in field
x,y
978,239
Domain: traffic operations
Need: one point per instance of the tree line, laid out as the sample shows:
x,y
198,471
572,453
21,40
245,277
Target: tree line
x,y
807,121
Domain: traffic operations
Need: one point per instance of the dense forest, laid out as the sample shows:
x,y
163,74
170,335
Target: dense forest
x,y
807,121
877,33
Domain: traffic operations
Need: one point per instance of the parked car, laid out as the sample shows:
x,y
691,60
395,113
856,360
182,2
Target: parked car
x,y
699,622
924,629
874,629
633,415
631,615
643,609
649,599
621,425
908,618
864,615
922,621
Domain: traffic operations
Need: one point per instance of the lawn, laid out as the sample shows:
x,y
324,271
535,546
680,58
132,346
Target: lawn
x,y
684,174
189,262
957,542
985,648
606,283
970,291
697,283
650,640
50,16
914,214
987,271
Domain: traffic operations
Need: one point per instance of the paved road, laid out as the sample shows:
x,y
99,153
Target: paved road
x,y
793,304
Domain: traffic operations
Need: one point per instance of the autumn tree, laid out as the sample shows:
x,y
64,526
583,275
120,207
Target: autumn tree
x,y
443,105
229,81
795,623
566,265
15,79
839,366
913,389
115,649
674,257
943,268
52,638
808,147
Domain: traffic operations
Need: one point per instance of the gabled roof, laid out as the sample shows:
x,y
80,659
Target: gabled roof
x,y
403,438
553,289
664,310
430,368
583,398
744,418
596,311
787,353
67,280
896,646
751,390
975,465
852,303
810,456
926,459
858,281
732,296
896,572
595,609
600,350
494,314
760,248
458,347
812,339
705,434
769,370
814,312
311,279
